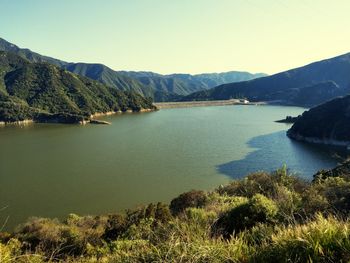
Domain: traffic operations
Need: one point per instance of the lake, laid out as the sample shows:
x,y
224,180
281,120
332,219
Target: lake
x,y
51,170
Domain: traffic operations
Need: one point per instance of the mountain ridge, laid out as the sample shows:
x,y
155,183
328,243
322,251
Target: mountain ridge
x,y
274,87
44,92
149,84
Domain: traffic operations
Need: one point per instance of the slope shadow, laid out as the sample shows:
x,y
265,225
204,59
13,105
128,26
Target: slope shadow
x,y
273,150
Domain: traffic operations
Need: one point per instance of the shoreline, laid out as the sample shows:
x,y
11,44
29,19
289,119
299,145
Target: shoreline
x,y
190,104
23,122
82,121
314,140
108,113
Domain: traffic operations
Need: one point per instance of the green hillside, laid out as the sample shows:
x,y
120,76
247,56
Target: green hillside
x,y
28,54
184,84
159,87
327,123
40,90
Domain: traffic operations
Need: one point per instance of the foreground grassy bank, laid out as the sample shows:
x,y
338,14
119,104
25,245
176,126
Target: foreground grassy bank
x,y
264,217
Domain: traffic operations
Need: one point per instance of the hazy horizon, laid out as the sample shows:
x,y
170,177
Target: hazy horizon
x,y
170,37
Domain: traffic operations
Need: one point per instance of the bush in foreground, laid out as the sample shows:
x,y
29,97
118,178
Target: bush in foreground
x,y
259,209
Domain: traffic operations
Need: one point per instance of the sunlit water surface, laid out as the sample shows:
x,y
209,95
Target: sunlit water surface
x,y
52,170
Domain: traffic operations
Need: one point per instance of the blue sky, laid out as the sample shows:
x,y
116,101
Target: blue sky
x,y
187,36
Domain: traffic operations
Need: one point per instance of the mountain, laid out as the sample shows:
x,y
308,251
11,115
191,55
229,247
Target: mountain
x,y
97,72
110,77
28,54
210,80
328,123
184,84
325,79
158,87
45,92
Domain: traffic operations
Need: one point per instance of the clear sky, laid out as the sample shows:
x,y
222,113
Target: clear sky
x,y
187,36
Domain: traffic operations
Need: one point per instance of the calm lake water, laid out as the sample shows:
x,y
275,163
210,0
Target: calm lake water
x,y
51,170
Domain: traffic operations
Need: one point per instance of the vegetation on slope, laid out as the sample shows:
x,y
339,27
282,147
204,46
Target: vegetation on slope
x,y
43,91
110,78
28,54
148,84
261,218
184,84
326,123
301,86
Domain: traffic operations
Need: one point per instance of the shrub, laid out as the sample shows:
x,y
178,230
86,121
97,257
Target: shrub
x,y
259,209
342,171
221,203
289,204
189,199
200,216
5,237
143,230
337,192
256,183
116,226
41,232
162,213
264,183
159,212
314,202
330,195
58,239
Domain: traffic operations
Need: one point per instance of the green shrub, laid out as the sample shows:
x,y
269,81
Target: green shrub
x,y
314,202
116,226
256,183
159,212
162,213
41,232
289,204
200,216
55,238
190,199
143,230
5,237
330,195
342,171
259,209
264,183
